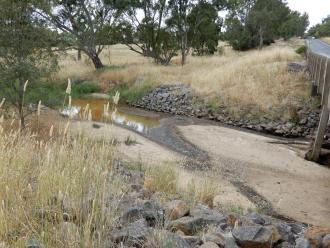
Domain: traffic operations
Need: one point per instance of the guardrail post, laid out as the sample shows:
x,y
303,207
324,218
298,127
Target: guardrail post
x,y
317,145
313,74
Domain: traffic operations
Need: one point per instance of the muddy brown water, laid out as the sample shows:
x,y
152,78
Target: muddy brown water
x,y
133,118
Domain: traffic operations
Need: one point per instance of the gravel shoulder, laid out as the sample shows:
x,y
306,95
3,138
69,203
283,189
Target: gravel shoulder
x,y
294,187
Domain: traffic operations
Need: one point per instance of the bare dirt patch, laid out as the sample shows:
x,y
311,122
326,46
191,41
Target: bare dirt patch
x,y
295,187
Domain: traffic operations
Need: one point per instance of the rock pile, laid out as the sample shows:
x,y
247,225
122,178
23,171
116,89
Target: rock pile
x,y
180,100
145,222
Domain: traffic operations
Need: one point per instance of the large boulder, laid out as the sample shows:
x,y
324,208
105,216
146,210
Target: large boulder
x,y
253,236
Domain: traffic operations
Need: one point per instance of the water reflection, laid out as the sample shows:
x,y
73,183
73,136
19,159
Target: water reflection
x,y
139,120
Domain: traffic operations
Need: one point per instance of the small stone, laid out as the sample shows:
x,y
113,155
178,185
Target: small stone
x,y
177,209
253,236
209,245
303,243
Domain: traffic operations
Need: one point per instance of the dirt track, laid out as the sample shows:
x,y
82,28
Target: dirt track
x,y
250,169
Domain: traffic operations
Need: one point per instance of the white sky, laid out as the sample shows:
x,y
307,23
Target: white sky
x,y
316,9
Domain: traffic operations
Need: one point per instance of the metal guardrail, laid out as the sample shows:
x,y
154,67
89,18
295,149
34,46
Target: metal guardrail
x,y
319,68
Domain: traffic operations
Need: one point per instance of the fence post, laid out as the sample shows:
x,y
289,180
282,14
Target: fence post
x,y
313,75
315,153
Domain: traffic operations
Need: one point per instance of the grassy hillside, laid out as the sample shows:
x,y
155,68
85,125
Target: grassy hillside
x,y
257,80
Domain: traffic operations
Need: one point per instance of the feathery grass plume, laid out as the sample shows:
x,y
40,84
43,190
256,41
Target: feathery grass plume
x,y
108,106
85,112
66,128
116,98
90,116
113,115
2,102
68,88
25,85
51,130
39,108
70,101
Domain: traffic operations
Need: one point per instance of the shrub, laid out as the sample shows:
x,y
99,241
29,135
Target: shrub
x,y
131,94
85,88
301,50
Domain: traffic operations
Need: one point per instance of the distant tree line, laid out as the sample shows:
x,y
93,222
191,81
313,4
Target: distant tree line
x,y
32,31
322,29
255,23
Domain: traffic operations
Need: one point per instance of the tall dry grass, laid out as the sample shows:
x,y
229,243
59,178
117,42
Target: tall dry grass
x,y
254,79
44,183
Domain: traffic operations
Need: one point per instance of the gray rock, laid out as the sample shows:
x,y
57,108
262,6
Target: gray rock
x,y
297,66
285,232
253,236
33,243
256,218
326,241
193,241
303,243
209,245
284,245
230,243
151,211
132,234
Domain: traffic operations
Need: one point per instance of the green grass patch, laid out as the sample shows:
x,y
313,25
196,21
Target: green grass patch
x,y
49,93
84,88
301,50
131,94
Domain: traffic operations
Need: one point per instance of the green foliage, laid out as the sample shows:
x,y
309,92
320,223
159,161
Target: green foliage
x,y
25,50
204,37
133,93
321,30
301,50
84,88
252,23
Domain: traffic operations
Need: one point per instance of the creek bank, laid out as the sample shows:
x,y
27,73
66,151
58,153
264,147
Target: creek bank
x,y
146,221
181,100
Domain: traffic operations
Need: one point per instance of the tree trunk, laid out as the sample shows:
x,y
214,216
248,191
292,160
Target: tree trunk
x,y
79,55
96,61
261,39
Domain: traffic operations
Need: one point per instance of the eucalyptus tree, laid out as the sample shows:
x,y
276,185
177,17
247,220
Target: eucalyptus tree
x,y
90,22
145,32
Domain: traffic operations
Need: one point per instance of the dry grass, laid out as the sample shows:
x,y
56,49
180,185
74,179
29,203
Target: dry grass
x,y
326,39
43,183
255,79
